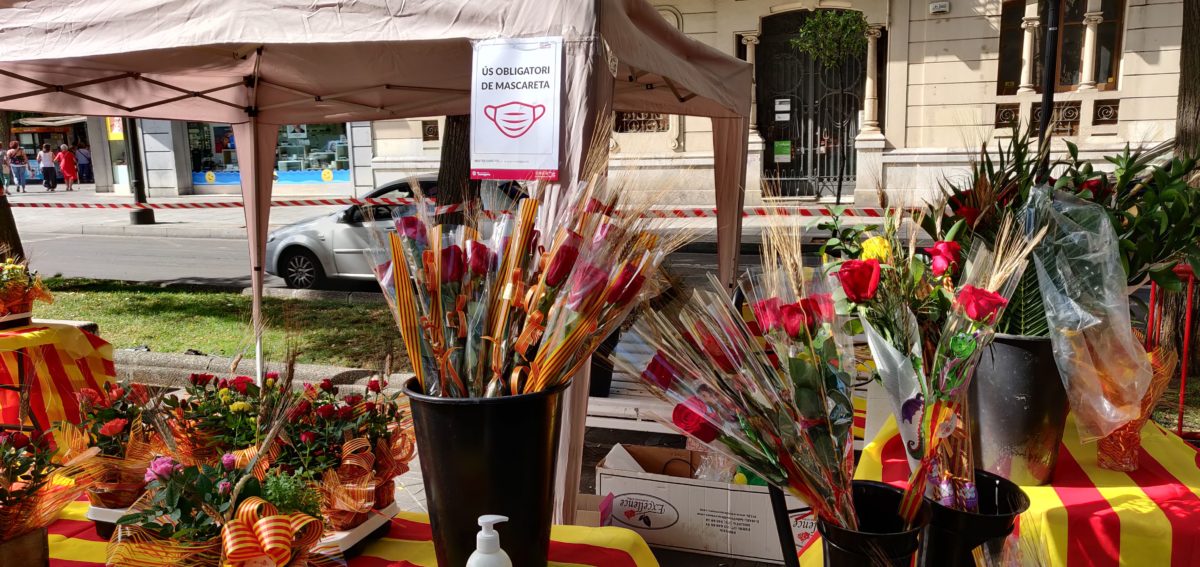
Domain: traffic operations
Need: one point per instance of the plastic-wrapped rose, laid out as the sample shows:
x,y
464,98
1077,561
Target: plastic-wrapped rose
x,y
627,285
860,279
587,281
479,258
162,468
689,417
944,257
818,308
660,372
980,304
795,320
766,312
453,264
563,260
413,228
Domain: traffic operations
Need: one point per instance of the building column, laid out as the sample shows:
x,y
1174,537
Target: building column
x,y
1087,79
1029,24
750,40
871,99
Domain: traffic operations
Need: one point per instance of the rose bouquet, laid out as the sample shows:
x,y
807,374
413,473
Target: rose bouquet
x,y
112,421
502,313
927,317
772,389
34,488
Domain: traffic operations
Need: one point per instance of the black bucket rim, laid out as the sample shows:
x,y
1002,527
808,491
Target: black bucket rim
x,y
412,390
924,516
1014,488
1020,338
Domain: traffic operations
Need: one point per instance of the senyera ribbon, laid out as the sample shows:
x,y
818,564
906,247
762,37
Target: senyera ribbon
x,y
259,530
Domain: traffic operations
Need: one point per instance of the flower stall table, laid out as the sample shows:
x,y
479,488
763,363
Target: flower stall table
x,y
1089,515
62,358
74,543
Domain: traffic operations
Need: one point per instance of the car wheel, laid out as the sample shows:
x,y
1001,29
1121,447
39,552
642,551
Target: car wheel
x,y
300,269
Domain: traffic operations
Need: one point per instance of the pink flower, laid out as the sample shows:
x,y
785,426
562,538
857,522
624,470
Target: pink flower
x,y
586,283
228,461
944,257
224,487
162,468
113,427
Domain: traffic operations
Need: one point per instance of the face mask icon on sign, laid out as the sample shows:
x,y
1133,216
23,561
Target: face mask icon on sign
x,y
515,118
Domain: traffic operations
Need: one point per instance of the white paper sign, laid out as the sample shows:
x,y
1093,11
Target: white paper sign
x,y
783,104
516,86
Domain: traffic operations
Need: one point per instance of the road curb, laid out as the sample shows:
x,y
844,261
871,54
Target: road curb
x,y
160,231
352,297
172,370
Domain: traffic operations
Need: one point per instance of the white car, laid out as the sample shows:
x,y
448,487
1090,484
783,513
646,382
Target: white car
x,y
309,252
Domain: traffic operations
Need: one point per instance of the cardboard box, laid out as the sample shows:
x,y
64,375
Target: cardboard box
x,y
654,495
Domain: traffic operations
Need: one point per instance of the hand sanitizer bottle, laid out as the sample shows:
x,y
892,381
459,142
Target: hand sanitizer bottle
x,y
487,545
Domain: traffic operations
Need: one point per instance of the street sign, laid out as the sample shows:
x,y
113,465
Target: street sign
x,y
516,86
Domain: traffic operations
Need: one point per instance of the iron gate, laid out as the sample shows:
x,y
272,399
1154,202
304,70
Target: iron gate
x,y
807,114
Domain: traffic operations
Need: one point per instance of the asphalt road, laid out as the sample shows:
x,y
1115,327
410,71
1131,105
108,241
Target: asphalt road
x,y
210,261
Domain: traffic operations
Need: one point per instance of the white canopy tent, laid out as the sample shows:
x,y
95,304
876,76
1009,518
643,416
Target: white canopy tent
x,y
259,65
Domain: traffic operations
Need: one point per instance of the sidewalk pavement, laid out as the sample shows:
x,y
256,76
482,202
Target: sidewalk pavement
x,y
229,223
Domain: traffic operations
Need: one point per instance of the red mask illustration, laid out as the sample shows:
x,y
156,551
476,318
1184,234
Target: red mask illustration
x,y
515,118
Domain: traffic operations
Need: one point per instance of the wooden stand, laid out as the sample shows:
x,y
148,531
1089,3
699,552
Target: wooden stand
x,y
29,550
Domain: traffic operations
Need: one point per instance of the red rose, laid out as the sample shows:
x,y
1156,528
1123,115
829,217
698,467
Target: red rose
x,y
970,214
660,372
1092,184
412,228
116,393
585,284
113,427
353,399
452,264
479,258
980,304
818,308
200,380
689,417
139,394
326,411
369,407
766,313
299,411
222,383
794,319
944,256
18,440
241,383
716,352
860,279
374,385
93,398
327,385
563,260
345,413
628,283
308,437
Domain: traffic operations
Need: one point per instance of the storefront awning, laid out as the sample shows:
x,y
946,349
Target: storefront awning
x,y
52,121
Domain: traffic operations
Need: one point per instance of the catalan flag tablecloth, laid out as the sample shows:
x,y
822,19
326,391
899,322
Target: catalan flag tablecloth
x,y
1089,516
61,359
74,543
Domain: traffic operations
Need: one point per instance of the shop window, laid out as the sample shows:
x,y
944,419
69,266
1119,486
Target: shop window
x,y
304,153
1069,65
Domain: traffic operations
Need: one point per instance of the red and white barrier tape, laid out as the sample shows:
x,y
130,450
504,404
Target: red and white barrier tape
x,y
799,211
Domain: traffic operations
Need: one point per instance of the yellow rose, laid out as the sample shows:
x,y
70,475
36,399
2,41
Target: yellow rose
x,y
223,392
876,248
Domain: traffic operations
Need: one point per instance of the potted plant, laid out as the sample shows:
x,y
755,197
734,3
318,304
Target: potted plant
x,y
19,288
34,488
215,416
382,421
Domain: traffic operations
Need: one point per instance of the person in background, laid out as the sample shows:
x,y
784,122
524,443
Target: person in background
x,y
18,163
45,159
83,156
5,172
66,162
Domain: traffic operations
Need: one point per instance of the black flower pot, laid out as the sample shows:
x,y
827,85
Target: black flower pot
x,y
954,534
882,537
488,456
1018,409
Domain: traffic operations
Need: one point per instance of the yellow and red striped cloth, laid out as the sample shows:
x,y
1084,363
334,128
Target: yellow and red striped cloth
x,y
74,543
63,358
1089,516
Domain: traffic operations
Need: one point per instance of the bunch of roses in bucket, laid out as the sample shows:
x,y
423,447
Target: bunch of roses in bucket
x,y
112,420
34,487
768,385
927,314
497,308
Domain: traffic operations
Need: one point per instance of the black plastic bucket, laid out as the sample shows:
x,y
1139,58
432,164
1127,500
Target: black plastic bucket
x,y
488,456
954,534
881,538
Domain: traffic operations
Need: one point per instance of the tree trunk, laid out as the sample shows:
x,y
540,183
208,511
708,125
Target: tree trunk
x,y
1187,125
454,185
10,239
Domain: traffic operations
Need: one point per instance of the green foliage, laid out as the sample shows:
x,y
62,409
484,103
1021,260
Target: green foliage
x,y
24,465
191,503
845,242
291,494
1025,314
832,36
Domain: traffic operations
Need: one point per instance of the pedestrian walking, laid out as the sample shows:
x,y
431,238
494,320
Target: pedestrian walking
x,y
83,156
45,159
66,162
5,172
18,162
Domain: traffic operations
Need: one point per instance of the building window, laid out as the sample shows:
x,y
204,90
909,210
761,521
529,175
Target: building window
x,y
1072,29
304,153
641,122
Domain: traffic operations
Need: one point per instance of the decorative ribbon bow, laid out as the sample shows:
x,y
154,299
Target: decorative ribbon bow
x,y
258,530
